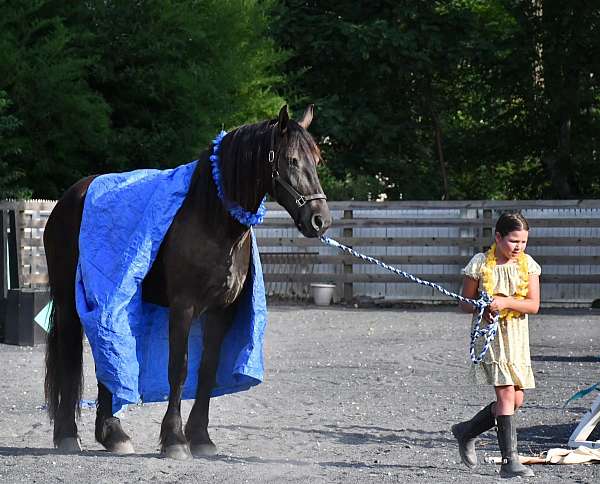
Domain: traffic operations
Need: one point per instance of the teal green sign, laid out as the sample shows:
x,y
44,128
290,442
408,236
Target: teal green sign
x,y
43,317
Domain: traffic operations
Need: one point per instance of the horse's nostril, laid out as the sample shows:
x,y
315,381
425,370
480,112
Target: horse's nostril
x,y
316,222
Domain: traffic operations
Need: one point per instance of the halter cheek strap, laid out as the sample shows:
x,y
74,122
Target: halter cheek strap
x,y
299,198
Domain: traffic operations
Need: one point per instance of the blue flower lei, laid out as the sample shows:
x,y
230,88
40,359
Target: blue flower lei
x,y
245,217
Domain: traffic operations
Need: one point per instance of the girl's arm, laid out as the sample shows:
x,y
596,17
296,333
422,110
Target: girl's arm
x,y
470,290
529,305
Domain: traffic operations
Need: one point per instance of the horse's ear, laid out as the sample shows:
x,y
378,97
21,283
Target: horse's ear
x,y
283,118
307,117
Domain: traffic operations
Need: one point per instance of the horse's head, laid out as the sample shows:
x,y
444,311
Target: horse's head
x,y
295,185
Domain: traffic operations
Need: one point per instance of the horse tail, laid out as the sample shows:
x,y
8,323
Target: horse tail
x,y
63,384
51,382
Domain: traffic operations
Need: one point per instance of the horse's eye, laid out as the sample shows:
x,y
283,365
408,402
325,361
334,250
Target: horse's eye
x,y
294,162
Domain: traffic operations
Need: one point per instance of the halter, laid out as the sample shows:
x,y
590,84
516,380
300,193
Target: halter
x,y
299,198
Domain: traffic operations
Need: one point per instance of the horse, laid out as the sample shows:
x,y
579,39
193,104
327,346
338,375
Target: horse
x,y
277,157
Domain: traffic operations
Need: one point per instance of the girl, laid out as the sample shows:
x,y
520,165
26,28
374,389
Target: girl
x,y
511,277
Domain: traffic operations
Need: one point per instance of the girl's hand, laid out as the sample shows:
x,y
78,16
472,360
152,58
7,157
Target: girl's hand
x,y
499,303
487,314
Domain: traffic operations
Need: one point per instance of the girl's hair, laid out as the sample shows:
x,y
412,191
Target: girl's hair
x,y
509,222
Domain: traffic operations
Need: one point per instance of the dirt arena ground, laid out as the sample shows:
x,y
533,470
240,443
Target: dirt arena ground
x,y
350,395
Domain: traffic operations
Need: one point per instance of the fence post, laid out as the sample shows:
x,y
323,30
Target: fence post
x,y
487,230
14,254
3,259
467,231
10,270
3,271
348,232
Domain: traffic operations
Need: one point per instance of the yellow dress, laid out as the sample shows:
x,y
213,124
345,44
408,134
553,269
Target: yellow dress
x,y
507,361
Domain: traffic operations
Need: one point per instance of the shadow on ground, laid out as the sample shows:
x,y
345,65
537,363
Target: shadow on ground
x,y
567,359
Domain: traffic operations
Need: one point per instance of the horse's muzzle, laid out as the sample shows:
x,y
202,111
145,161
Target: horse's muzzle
x,y
314,223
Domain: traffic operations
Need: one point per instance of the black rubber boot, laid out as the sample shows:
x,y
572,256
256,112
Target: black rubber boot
x,y
507,440
466,433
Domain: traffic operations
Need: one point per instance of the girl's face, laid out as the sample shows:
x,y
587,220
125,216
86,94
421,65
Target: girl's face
x,y
512,244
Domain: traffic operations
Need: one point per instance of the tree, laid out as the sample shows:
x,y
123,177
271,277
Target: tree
x,y
382,74
63,124
174,72
459,99
534,90
568,35
102,85
11,176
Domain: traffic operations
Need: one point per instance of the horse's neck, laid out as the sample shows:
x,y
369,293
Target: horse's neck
x,y
244,167
204,204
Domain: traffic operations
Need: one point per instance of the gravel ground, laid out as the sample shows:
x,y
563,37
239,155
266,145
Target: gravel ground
x,y
350,395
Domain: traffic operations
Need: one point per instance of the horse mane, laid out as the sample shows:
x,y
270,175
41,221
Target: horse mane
x,y
243,156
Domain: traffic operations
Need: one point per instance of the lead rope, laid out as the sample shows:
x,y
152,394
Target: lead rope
x,y
488,333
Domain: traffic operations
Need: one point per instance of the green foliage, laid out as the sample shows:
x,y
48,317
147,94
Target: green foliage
x,y
63,124
101,86
174,72
371,68
351,187
415,99
511,95
11,175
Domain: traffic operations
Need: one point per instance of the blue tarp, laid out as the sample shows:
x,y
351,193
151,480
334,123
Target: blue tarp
x,y
125,219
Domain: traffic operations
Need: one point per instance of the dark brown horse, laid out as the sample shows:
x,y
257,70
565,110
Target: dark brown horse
x,y
201,268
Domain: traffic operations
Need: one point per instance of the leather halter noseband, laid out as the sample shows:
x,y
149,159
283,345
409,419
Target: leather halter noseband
x,y
299,198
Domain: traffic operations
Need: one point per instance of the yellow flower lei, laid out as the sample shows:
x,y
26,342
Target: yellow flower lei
x,y
489,283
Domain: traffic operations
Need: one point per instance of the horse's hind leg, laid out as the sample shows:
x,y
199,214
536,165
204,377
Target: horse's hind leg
x,y
196,430
64,348
64,379
108,428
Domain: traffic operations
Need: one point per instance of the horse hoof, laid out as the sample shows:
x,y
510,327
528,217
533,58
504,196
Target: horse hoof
x,y
203,450
177,452
69,445
122,448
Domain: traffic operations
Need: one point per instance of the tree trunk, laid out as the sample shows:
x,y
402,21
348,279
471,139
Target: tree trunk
x,y
440,152
562,91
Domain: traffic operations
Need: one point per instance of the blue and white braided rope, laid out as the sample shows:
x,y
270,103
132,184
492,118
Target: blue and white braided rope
x,y
488,333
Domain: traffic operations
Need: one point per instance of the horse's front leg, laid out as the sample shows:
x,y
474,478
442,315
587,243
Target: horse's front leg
x,y
172,441
196,430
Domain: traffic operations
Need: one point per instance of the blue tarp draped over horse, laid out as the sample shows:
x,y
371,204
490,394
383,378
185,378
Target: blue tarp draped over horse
x,y
125,219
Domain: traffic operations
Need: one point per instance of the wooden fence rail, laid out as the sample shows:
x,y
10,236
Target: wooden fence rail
x,y
433,240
